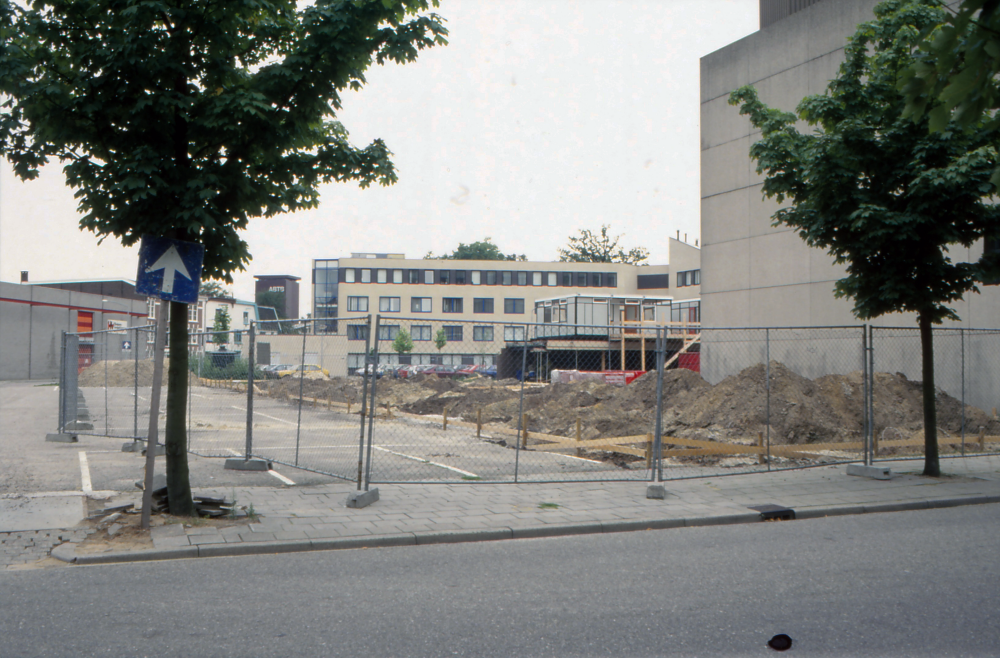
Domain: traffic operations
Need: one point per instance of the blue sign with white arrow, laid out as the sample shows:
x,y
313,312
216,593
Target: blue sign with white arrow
x,y
169,269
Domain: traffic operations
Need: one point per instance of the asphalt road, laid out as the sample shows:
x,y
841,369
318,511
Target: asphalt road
x,y
904,584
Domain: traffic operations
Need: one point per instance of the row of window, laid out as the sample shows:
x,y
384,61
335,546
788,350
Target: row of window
x,y
452,334
511,306
482,277
689,278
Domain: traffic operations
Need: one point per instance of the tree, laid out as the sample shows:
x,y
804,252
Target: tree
x,y
589,247
482,250
220,328
186,120
402,343
880,193
213,289
440,339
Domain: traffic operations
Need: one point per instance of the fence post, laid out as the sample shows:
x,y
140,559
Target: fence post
x,y
866,428
767,383
961,333
873,445
364,400
107,421
479,423
371,417
579,451
524,431
444,419
661,346
135,385
520,401
252,358
302,375
62,383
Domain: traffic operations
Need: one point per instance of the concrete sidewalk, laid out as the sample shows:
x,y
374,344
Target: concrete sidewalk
x,y
316,518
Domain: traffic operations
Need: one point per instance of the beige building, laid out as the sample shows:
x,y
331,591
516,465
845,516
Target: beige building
x,y
482,305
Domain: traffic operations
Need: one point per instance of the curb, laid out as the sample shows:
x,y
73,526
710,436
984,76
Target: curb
x,y
66,552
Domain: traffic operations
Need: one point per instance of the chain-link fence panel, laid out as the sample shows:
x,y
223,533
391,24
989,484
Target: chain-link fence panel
x,y
965,361
505,402
306,397
218,374
113,372
769,398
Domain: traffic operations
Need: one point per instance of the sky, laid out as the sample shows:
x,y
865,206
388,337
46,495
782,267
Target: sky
x,y
540,118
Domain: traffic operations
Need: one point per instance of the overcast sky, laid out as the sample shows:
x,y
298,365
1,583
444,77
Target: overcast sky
x,y
541,117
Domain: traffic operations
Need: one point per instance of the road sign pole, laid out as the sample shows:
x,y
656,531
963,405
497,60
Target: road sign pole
x,y
154,412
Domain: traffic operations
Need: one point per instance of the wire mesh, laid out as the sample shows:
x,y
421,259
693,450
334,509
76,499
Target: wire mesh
x,y
966,392
306,400
113,375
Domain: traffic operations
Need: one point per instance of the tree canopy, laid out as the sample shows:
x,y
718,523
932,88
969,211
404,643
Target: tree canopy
x,y
590,247
482,250
876,190
187,119
213,289
954,75
402,343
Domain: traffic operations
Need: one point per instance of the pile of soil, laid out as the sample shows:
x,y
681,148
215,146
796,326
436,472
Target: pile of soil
x,y
802,411
121,374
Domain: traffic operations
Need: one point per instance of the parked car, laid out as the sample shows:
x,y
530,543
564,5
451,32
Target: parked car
x,y
489,371
308,370
468,370
271,372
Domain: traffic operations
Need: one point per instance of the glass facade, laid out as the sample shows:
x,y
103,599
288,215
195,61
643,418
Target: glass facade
x,y
326,275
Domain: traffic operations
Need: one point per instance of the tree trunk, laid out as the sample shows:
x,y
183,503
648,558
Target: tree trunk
x,y
932,465
178,483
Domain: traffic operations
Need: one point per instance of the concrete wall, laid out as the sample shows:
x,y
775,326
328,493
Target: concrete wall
x,y
32,319
757,275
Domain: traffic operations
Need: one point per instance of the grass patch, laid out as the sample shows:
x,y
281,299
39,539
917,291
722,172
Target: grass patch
x,y
548,506
471,477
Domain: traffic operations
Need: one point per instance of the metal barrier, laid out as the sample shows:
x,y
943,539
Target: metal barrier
x,y
413,399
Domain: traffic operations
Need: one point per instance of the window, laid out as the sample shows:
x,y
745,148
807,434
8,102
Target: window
x,y
567,279
522,278
429,276
238,337
359,304
366,276
193,313
397,276
596,280
388,332
511,306
388,304
414,276
562,313
581,279
552,278
452,334
612,280
513,333
349,276
451,305
382,276
420,304
357,332
420,332
507,278
482,333
444,277
476,277
547,314
681,279
460,277
482,305
697,278
491,278
536,278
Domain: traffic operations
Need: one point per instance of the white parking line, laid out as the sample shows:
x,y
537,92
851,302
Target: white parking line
x,y
257,413
427,461
233,452
281,477
85,485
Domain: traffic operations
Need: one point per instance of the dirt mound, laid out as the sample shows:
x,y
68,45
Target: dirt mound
x,y
120,374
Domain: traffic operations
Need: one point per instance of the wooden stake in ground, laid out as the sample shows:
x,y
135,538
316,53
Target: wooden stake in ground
x,y
479,423
760,444
524,430
579,451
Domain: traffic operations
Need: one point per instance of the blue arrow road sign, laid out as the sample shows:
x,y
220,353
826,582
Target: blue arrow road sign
x,y
169,269
126,344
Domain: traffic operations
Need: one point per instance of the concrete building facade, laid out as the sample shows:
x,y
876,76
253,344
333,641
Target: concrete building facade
x,y
756,274
759,275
